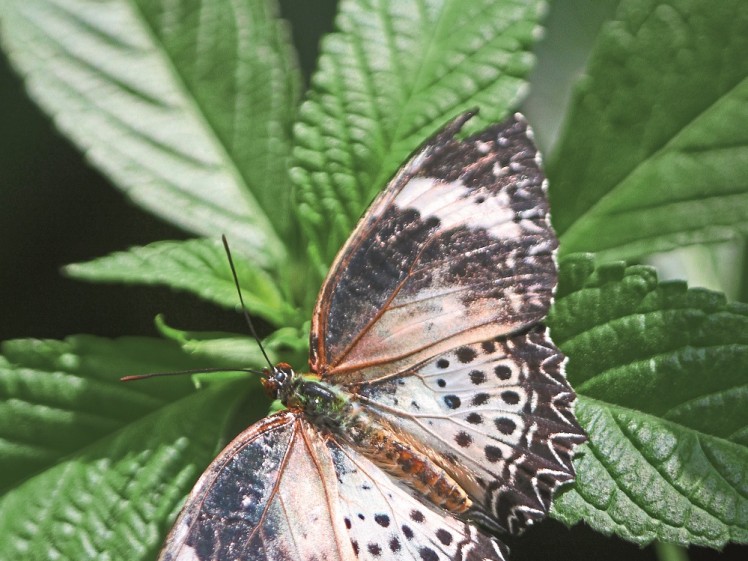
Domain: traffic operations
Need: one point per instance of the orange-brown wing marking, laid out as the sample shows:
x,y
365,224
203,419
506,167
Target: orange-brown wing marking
x,y
457,249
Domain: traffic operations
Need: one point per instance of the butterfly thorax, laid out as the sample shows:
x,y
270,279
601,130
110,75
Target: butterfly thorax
x,y
322,404
337,411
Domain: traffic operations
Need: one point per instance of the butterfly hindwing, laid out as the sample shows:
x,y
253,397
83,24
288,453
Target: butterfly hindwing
x,y
386,522
457,249
284,491
498,414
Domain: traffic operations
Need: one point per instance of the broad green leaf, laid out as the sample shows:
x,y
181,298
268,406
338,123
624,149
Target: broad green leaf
x,y
58,397
571,28
654,153
291,344
115,498
185,105
198,266
662,377
94,468
388,78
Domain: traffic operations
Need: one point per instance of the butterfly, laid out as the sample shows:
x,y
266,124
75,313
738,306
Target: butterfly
x,y
437,412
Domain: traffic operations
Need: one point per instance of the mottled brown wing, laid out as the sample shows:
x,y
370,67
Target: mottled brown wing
x,y
456,250
284,492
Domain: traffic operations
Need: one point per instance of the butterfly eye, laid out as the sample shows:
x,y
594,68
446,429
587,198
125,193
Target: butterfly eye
x,y
285,370
270,385
277,380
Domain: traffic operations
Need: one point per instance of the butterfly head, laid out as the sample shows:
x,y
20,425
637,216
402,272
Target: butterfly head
x,y
278,381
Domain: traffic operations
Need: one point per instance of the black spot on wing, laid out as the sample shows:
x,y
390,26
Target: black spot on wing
x,y
480,399
503,372
493,453
474,418
428,554
394,545
477,377
505,425
510,397
444,536
382,519
463,439
465,354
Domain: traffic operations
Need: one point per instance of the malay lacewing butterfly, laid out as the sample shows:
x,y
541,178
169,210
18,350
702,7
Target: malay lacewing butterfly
x,y
437,413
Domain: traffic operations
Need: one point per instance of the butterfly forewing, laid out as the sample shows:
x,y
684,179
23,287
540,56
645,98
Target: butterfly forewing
x,y
458,249
283,491
268,496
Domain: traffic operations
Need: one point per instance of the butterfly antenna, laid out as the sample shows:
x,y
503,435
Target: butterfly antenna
x,y
241,300
134,377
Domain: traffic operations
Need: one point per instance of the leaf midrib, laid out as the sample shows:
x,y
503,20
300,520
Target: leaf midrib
x,y
409,93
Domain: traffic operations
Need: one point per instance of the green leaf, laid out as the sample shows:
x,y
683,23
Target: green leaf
x,y
93,468
58,397
198,266
662,377
219,349
112,500
187,106
228,350
388,78
654,153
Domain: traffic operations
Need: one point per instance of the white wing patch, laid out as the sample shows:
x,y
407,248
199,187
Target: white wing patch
x,y
455,205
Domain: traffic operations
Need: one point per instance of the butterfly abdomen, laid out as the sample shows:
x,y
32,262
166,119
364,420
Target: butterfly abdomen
x,y
404,461
337,411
